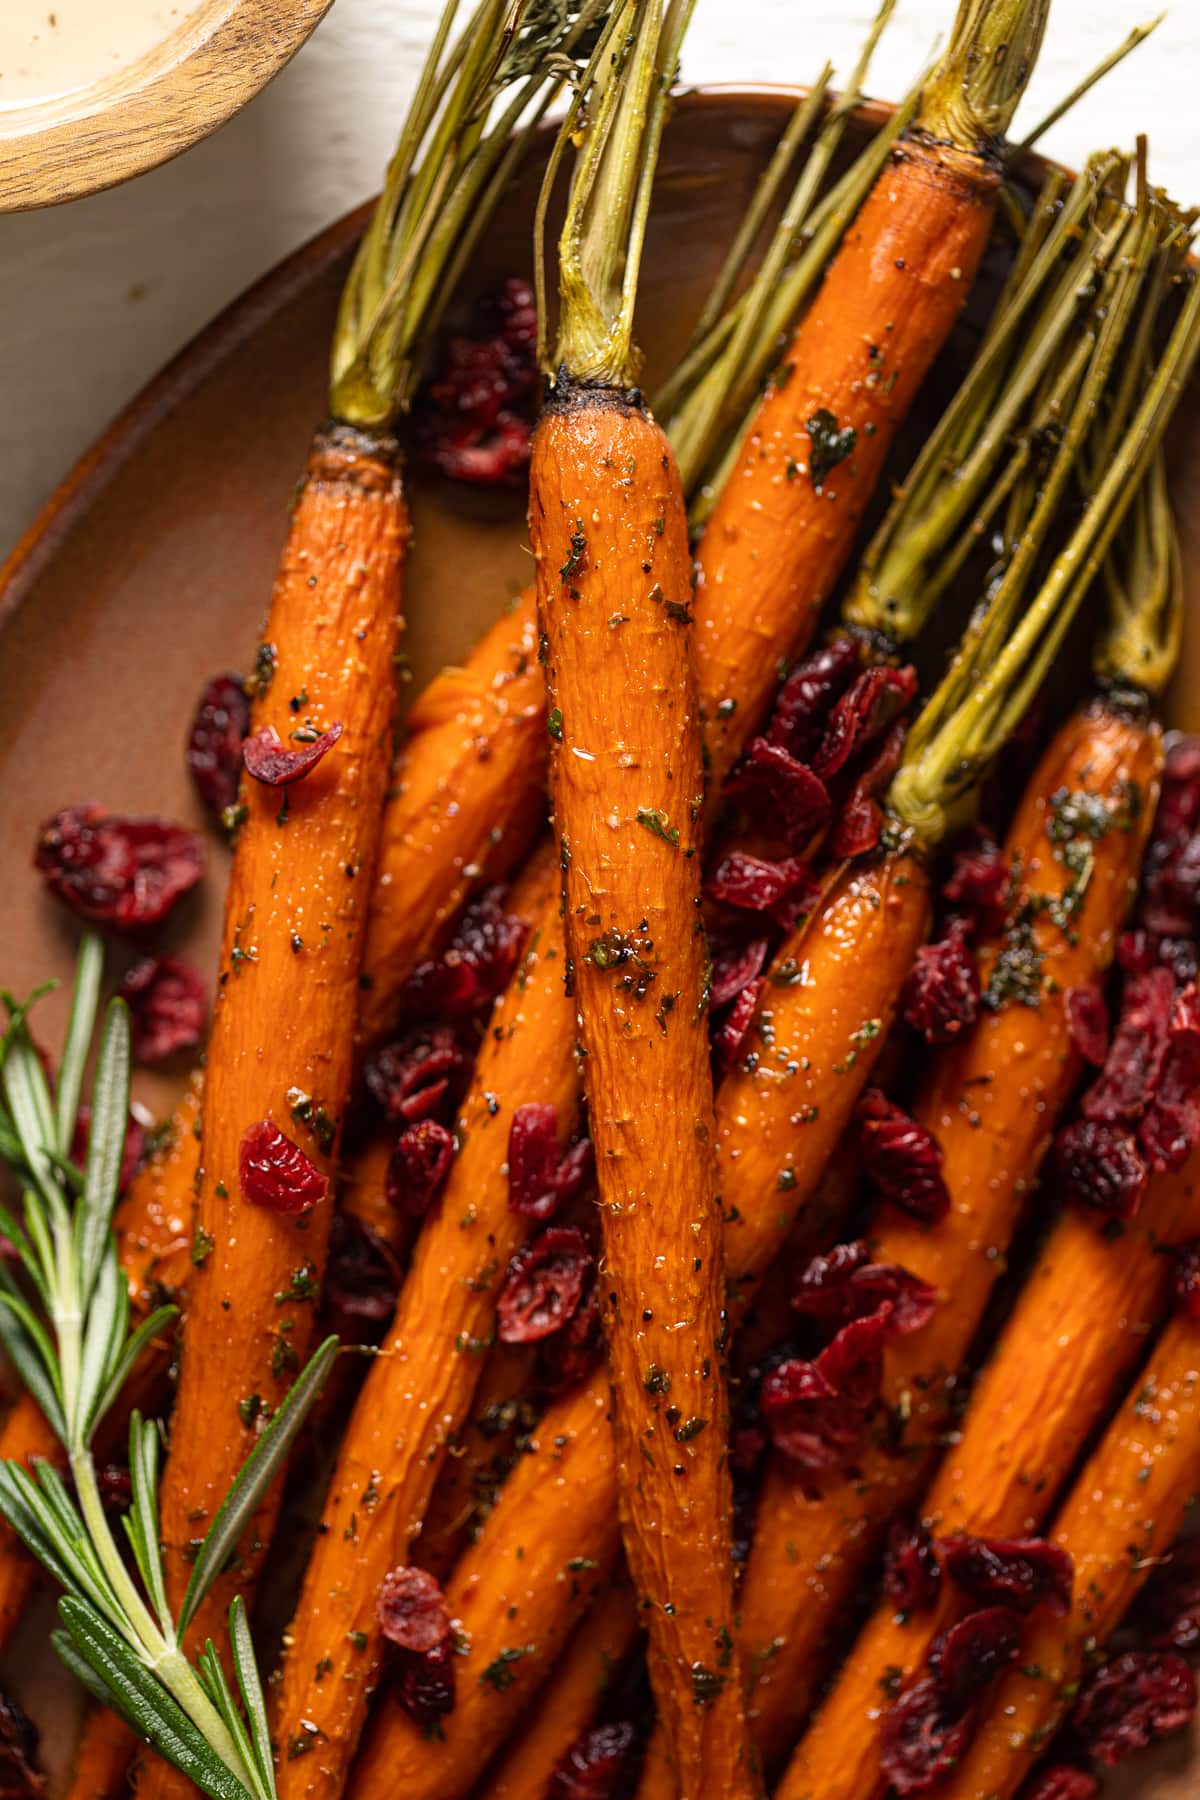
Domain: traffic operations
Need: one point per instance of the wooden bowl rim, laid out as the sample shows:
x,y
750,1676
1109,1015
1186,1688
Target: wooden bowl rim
x,y
153,110
240,318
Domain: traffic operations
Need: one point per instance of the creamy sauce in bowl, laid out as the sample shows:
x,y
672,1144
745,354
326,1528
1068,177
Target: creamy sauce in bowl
x,y
49,48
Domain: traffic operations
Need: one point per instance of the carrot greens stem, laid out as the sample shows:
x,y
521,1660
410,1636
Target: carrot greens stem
x,y
970,98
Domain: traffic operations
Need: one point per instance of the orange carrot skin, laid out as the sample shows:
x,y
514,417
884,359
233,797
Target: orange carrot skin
x,y
775,543
294,918
1120,1518
992,1104
1094,1300
855,948
102,1761
420,1387
602,1643
507,1600
609,533
479,1455
467,803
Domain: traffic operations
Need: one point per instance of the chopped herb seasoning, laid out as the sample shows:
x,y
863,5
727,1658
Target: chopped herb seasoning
x,y
706,1684
554,725
689,1429
657,1381
499,1674
659,825
576,553
312,1115
265,659
830,446
250,1410
203,1245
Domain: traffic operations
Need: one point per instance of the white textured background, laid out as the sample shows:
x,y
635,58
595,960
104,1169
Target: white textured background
x,y
96,295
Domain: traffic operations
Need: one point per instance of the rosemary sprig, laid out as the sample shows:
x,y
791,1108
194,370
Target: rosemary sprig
x,y
66,1327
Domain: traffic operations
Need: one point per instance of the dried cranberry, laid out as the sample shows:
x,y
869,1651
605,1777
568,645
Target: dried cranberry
x,y
1172,885
1137,1052
845,1284
411,1610
1170,1129
594,1764
418,1168
165,997
735,966
902,1161
1169,1609
268,760
1132,1702
275,1173
922,1739
860,821
1100,1166
867,709
567,1357
540,1181
807,697
1186,1279
474,967
979,883
362,1279
968,1657
20,1778
1136,951
730,1034
116,871
784,890
785,795
816,1411
474,419
424,1682
131,1156
942,994
1020,1573
912,1577
1087,1021
214,746
543,1285
1061,1782
422,1073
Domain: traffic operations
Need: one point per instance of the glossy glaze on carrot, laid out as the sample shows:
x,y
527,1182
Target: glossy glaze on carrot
x,y
303,867
992,1103
1082,1320
420,1388
610,544
779,1116
1121,1516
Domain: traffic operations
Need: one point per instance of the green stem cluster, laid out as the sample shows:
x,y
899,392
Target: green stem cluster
x,y
1001,664
615,122
970,98
477,100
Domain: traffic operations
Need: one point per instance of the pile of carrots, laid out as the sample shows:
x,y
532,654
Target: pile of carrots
x,y
780,1355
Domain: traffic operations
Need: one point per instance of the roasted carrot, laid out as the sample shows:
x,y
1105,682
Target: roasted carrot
x,y
608,526
991,1103
419,1389
992,1100
301,873
573,1693
506,1600
304,869
821,435
825,1034
102,1760
1094,1300
478,1457
1119,1520
468,801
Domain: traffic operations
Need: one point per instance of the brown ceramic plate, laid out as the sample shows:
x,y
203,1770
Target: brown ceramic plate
x,y
150,568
